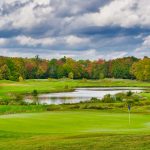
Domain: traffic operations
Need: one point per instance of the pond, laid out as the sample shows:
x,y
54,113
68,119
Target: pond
x,y
81,95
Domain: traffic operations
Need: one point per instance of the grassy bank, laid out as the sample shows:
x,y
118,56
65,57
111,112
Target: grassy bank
x,y
142,107
53,85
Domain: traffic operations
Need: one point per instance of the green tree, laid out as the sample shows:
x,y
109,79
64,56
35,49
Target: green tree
x,y
120,68
141,69
101,76
5,72
20,79
71,75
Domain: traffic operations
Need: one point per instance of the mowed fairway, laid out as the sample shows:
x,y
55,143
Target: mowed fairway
x,y
66,130
75,122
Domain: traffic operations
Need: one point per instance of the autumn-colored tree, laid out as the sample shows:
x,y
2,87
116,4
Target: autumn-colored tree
x,y
141,69
13,68
71,75
4,72
20,79
121,67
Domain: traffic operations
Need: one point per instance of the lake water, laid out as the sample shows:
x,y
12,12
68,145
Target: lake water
x,y
81,94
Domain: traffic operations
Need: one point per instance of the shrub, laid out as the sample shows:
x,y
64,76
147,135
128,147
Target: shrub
x,y
129,101
20,79
66,87
71,75
93,106
129,93
53,107
50,79
84,80
18,97
101,76
136,98
120,96
34,93
74,106
108,99
94,99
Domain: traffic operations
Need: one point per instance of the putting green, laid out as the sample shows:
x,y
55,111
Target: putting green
x,y
75,122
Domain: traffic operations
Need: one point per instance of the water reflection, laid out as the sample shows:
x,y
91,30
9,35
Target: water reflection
x,y
80,94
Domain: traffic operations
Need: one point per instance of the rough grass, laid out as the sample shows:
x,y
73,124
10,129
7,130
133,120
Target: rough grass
x,y
80,142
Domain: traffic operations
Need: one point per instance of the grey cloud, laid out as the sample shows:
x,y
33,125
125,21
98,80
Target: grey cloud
x,y
97,26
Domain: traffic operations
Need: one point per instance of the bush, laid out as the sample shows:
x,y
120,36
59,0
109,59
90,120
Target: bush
x,y
94,99
4,102
18,97
71,75
84,80
108,99
34,93
120,97
130,101
101,76
53,107
93,107
66,87
129,93
20,79
74,106
136,98
50,79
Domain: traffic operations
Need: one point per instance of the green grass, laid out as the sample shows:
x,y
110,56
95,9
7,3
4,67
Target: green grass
x,y
12,109
72,122
62,85
146,95
74,130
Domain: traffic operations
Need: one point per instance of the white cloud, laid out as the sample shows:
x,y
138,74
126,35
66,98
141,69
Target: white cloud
x,y
124,13
42,2
3,41
145,45
144,48
146,42
91,54
73,40
28,41
116,54
28,16
11,1
65,23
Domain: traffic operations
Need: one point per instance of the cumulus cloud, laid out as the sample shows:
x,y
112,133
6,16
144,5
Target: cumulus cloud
x,y
28,41
145,46
73,40
91,54
123,13
3,41
99,28
146,42
28,16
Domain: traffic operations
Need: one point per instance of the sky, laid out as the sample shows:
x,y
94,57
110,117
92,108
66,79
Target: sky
x,y
80,29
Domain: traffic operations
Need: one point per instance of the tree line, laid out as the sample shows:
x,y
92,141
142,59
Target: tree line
x,y
17,69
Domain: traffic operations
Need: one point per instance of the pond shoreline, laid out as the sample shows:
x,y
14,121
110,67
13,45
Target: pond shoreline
x,y
79,95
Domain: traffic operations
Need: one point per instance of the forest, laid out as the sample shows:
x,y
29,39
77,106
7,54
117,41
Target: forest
x,y
18,69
